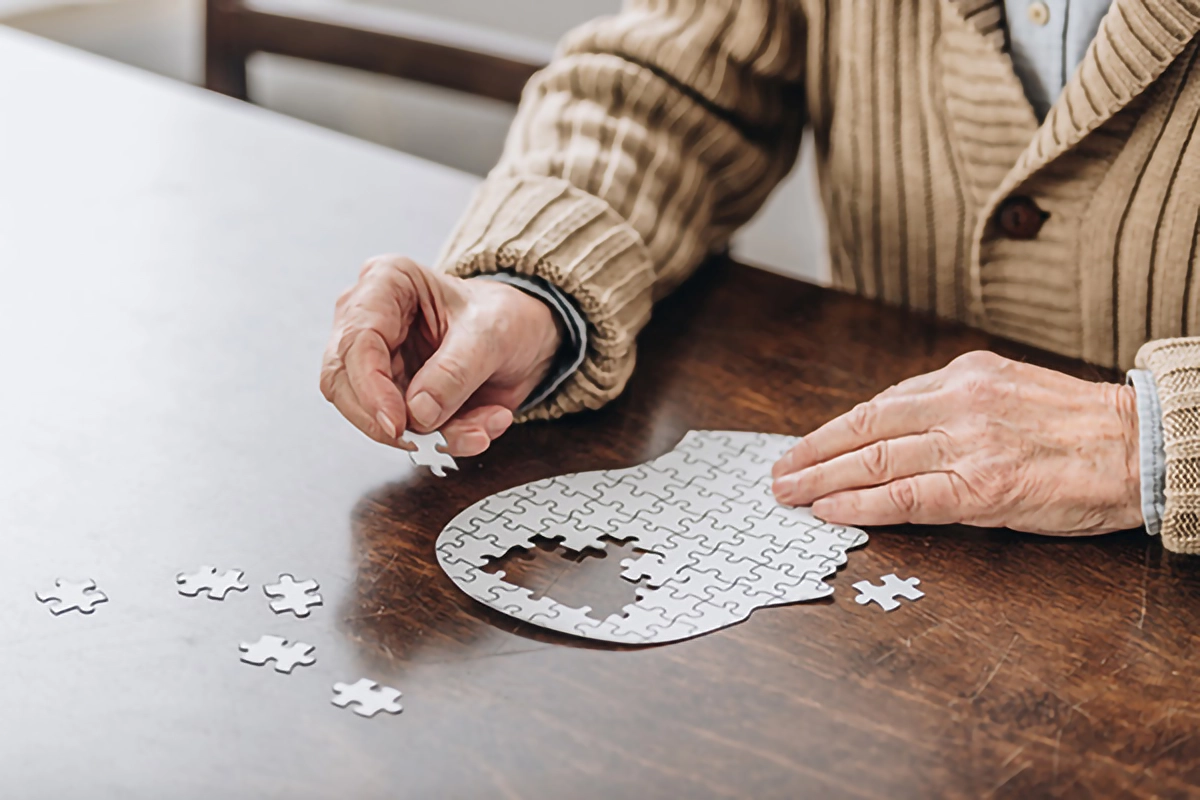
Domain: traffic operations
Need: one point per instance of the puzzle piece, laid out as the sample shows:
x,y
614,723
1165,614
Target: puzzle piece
x,y
217,584
367,696
81,596
430,452
712,543
886,594
275,648
292,595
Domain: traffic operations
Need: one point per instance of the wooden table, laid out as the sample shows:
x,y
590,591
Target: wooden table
x,y
168,263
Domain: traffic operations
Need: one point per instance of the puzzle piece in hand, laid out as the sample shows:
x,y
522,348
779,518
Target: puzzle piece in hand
x,y
886,594
275,648
713,544
293,595
368,697
216,583
81,596
430,452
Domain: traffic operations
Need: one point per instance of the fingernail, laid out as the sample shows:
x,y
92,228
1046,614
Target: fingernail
x,y
496,424
782,466
474,443
783,489
388,426
823,508
424,409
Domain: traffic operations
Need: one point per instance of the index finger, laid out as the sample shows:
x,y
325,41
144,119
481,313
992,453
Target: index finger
x,y
369,370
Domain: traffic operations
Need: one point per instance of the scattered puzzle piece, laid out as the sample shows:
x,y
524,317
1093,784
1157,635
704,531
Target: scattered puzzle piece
x,y
430,452
292,595
712,543
368,697
275,648
886,594
81,596
217,584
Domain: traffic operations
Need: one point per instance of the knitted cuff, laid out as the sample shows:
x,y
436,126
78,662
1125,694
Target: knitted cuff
x,y
548,229
1175,365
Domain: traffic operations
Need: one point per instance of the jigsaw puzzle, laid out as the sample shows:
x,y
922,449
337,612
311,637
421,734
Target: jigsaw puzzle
x,y
886,594
209,579
430,452
287,656
714,544
81,596
292,595
368,697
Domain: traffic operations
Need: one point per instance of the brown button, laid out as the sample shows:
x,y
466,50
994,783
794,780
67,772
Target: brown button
x,y
1039,13
1020,218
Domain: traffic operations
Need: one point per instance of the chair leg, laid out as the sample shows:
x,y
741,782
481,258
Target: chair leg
x,y
225,72
224,60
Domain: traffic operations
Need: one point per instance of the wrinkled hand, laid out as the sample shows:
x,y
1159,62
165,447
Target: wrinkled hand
x,y
418,349
984,441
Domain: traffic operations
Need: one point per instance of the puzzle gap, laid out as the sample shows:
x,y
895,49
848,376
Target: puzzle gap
x,y
591,577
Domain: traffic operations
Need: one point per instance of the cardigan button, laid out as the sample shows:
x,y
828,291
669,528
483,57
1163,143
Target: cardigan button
x,y
1020,218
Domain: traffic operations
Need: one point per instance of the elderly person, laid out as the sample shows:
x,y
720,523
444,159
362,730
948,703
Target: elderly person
x,y
1029,167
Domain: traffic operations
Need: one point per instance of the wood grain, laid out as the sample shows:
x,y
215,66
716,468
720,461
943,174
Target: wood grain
x,y
1033,666
169,272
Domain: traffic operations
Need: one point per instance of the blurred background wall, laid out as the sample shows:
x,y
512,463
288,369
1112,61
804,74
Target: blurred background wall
x,y
166,36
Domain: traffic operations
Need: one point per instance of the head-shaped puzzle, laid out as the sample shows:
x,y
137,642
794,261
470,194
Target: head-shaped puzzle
x,y
714,544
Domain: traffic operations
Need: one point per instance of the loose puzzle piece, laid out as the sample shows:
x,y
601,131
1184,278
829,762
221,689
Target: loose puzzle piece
x,y
275,648
713,544
368,697
217,584
81,596
886,594
293,595
430,452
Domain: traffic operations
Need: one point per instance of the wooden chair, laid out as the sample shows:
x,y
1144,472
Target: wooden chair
x,y
370,38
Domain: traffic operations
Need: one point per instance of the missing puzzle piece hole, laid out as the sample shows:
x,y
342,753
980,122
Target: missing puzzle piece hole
x,y
591,577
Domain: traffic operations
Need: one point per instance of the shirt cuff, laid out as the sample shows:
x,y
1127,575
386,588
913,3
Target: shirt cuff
x,y
574,347
1152,452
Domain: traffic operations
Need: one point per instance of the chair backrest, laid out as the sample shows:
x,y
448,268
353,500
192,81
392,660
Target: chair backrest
x,y
396,43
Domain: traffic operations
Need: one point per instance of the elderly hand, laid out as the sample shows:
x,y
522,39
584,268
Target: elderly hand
x,y
418,349
984,441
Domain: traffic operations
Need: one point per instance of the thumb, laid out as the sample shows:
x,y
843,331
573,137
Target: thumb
x,y
461,364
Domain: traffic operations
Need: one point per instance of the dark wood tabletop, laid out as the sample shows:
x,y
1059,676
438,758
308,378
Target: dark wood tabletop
x,y
168,264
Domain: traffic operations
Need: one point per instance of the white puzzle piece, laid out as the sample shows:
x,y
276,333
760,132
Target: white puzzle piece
x,y
81,596
216,583
430,452
367,697
886,594
286,655
292,595
715,545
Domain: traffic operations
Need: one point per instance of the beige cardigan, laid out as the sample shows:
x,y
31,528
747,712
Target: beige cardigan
x,y
656,133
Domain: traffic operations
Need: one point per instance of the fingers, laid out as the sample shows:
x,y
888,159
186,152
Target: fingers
x,y
372,320
934,498
877,463
462,363
881,418
369,366
918,384
336,387
472,432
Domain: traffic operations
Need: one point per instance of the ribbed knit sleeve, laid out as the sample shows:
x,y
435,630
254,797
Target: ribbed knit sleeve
x,y
1175,364
648,141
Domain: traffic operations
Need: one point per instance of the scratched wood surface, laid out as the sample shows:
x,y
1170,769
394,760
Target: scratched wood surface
x,y
168,277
